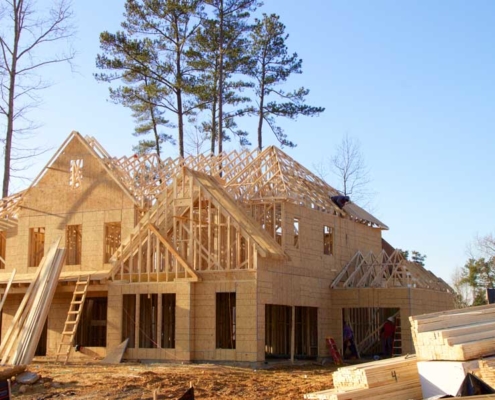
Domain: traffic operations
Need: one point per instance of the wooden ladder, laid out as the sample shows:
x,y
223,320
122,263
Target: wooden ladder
x,y
73,317
397,344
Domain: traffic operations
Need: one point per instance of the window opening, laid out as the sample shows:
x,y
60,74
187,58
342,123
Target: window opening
x,y
92,328
36,246
75,173
129,320
327,240
296,233
3,248
148,312
73,244
112,239
225,320
168,321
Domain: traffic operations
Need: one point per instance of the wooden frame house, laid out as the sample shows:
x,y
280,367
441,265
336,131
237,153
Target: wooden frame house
x,y
236,257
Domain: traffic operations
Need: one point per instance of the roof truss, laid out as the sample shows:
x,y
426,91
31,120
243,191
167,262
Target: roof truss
x,y
386,271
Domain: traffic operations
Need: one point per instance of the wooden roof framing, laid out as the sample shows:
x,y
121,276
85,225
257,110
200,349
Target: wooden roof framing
x,y
246,175
192,227
9,208
386,271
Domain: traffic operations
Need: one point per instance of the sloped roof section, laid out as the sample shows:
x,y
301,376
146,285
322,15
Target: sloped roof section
x,y
246,175
267,245
386,271
273,175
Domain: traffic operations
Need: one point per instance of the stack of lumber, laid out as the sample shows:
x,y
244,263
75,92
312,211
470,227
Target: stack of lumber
x,y
456,335
20,342
395,378
487,371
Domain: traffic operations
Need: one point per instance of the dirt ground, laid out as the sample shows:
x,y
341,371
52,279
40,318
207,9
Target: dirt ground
x,y
78,380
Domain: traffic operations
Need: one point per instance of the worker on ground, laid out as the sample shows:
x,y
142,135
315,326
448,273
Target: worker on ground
x,y
387,334
349,341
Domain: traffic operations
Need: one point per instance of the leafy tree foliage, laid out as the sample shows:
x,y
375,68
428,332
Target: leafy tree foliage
x,y
413,256
204,57
196,59
272,65
230,22
479,274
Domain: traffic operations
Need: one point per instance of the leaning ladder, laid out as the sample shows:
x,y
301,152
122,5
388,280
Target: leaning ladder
x,y
73,317
397,345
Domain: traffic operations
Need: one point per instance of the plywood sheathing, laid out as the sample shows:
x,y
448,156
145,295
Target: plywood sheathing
x,y
457,335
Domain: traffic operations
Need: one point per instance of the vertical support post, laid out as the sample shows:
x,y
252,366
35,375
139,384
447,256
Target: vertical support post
x,y
138,318
293,335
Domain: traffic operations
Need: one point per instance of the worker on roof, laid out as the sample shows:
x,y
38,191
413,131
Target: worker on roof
x,y
387,334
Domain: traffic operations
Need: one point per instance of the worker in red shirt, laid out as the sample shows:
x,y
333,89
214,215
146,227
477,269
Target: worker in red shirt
x,y
387,337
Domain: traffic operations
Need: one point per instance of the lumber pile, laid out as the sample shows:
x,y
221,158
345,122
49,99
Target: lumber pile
x,y
395,378
487,371
456,335
20,342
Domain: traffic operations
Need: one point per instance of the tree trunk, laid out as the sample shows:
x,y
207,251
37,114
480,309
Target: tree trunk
x,y
10,108
220,83
180,113
261,113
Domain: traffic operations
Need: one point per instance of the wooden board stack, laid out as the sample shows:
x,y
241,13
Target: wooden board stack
x,y
395,378
20,342
456,335
487,371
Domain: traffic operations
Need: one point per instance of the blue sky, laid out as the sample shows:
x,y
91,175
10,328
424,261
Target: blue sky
x,y
413,81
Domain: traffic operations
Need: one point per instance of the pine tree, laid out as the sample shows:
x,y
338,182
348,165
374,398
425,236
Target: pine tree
x,y
272,66
230,17
152,48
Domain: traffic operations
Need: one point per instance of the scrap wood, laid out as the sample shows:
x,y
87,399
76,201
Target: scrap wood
x,y
115,355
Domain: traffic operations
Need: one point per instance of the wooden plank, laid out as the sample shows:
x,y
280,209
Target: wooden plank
x,y
115,355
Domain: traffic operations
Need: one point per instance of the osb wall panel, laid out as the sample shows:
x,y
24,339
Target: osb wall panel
x,y
294,290
184,335
53,204
348,238
204,300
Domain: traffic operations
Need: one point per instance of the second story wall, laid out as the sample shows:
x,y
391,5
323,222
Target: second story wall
x,y
320,244
76,191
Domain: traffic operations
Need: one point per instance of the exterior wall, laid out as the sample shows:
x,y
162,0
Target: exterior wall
x,y
195,317
305,279
53,204
348,238
183,339
410,301
243,283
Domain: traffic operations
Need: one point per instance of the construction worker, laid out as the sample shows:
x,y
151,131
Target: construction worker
x,y
387,334
349,341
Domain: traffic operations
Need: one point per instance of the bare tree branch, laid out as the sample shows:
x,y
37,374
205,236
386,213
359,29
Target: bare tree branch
x,y
29,40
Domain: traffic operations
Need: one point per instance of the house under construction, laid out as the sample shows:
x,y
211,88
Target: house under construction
x,y
242,256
